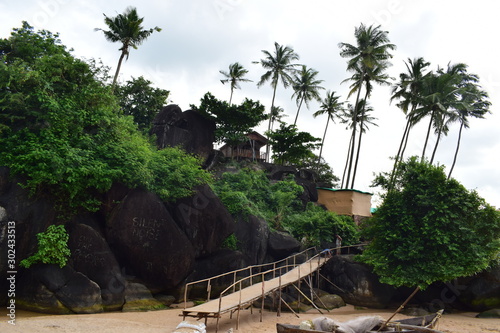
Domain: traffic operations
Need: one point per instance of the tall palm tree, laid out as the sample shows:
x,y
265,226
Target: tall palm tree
x,y
352,118
408,90
372,47
127,29
277,113
234,77
279,67
474,103
377,75
332,108
306,87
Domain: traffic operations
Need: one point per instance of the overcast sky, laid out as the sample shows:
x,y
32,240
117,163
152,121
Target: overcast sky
x,y
201,37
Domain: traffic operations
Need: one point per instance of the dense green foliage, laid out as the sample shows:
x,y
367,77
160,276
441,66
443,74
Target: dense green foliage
x,y
233,122
316,225
291,146
52,248
139,99
63,132
250,192
429,229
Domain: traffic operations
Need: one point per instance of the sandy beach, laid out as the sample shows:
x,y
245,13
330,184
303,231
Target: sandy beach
x,y
165,321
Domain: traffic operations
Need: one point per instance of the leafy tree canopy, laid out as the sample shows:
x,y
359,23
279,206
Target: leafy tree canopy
x,y
430,229
291,146
62,130
233,122
324,171
139,99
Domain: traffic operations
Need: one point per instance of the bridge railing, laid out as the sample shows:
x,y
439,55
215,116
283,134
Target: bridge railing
x,y
251,272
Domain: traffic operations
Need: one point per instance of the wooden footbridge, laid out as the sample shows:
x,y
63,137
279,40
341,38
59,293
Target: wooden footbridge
x,y
255,282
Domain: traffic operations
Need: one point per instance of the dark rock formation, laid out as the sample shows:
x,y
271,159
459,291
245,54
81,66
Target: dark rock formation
x,y
51,289
282,244
92,257
204,219
148,242
252,233
356,283
280,172
139,298
482,291
187,129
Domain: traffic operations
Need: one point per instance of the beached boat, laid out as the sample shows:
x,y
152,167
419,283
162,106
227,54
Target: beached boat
x,y
423,324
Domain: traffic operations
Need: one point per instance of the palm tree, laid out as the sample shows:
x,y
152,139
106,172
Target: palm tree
x,y
306,87
352,118
375,74
277,113
372,47
280,67
408,91
234,76
126,28
475,104
332,108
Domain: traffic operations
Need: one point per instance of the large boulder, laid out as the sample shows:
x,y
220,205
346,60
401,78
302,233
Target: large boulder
x,y
252,234
356,283
204,219
147,241
50,289
188,129
91,256
281,245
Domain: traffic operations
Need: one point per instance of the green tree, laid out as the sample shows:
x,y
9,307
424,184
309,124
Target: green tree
x,y
139,99
233,122
306,87
371,49
127,29
291,146
277,113
63,133
280,67
430,228
234,77
332,108
324,172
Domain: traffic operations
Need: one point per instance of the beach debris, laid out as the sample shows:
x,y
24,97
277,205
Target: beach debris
x,y
190,326
306,325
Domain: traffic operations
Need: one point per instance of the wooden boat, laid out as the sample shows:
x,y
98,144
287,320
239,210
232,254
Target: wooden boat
x,y
423,324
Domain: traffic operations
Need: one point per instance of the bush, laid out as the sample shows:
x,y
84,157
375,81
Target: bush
x,y
52,248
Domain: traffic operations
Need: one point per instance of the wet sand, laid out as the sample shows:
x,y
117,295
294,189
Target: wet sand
x,y
165,321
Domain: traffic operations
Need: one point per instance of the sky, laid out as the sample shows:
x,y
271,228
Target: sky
x,y
201,37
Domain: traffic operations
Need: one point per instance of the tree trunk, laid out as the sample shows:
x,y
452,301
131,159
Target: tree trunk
x,y
359,140
298,110
270,118
346,163
437,143
458,147
118,69
399,155
427,136
355,123
231,97
323,142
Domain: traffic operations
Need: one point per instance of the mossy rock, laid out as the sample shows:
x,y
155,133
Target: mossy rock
x,y
330,302
493,313
143,305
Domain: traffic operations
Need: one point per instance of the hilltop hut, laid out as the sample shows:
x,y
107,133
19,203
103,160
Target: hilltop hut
x,y
248,149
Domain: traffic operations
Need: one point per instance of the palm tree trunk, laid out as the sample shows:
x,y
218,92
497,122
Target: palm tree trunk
x,y
298,110
354,123
399,155
118,70
231,97
359,140
323,141
427,136
346,164
270,119
458,147
437,143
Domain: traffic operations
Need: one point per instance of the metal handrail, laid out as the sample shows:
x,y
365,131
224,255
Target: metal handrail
x,y
234,273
